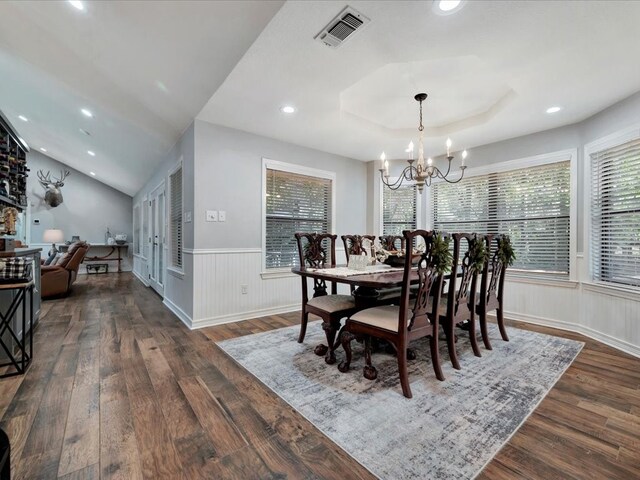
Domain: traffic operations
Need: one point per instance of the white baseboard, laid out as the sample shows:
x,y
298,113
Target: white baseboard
x,y
139,277
626,347
178,312
236,317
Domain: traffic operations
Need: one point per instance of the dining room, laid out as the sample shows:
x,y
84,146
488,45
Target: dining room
x,y
382,239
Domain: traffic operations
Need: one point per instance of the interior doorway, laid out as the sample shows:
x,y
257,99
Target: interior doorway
x,y
157,238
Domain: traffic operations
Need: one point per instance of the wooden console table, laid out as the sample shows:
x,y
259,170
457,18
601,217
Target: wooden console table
x,y
114,255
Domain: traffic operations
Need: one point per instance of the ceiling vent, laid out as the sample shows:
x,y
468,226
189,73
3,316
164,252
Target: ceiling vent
x,y
342,27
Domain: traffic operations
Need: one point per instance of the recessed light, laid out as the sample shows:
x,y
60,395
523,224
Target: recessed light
x,y
23,118
43,149
553,109
86,113
288,109
77,4
91,153
93,173
82,130
447,7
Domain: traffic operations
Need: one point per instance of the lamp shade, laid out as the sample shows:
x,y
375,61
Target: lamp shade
x,y
53,236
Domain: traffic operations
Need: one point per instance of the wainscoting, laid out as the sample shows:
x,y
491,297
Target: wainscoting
x,y
606,314
218,279
219,276
595,311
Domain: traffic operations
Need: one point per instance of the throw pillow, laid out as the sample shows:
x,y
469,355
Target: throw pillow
x,y
50,259
56,260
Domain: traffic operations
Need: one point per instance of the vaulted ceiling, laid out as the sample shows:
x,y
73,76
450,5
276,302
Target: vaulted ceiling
x,y
146,69
143,69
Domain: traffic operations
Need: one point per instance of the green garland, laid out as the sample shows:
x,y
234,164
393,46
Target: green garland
x,y
478,254
505,251
440,253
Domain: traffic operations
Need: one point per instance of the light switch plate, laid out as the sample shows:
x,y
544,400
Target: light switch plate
x,y
222,216
212,215
187,217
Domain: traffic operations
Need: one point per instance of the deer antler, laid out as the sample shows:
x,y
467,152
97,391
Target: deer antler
x,y
63,175
44,179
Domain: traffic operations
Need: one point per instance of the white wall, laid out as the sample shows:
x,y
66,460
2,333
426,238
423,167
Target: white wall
x,y
228,172
89,206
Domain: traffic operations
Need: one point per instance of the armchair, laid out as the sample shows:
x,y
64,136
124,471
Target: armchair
x,y
56,280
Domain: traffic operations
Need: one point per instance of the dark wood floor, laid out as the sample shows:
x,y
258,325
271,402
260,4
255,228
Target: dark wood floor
x,y
120,389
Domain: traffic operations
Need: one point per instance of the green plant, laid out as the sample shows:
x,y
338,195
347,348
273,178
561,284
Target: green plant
x,y
440,254
478,253
505,251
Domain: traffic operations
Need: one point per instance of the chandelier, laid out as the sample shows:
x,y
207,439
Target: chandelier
x,y
422,173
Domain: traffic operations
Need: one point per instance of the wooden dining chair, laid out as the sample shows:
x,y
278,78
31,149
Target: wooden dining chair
x,y
400,324
356,245
457,305
331,308
391,243
492,289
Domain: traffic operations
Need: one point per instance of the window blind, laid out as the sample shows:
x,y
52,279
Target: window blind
x,y
531,205
175,184
136,229
615,214
398,210
294,203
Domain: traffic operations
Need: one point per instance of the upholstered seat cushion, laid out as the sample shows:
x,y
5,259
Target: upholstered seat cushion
x,y
385,317
333,303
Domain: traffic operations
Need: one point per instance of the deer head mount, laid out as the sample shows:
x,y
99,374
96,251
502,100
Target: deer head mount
x,y
53,195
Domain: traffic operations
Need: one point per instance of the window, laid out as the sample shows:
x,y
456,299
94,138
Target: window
x,y
399,210
296,200
175,217
531,205
615,214
136,229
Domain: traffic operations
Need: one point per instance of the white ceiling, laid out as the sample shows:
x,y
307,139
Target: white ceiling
x,y
144,69
491,70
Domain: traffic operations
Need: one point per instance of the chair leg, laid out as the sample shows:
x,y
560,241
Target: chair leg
x,y
503,331
346,338
369,371
484,332
435,356
303,326
451,343
473,338
404,372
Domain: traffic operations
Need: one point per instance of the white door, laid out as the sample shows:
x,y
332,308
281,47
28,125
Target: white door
x,y
157,223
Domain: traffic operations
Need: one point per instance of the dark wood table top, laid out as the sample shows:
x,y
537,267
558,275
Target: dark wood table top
x,y
378,280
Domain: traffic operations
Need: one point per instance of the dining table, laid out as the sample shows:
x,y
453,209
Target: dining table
x,y
368,285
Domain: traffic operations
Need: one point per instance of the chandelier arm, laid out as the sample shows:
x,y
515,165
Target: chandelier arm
x,y
454,181
448,167
394,185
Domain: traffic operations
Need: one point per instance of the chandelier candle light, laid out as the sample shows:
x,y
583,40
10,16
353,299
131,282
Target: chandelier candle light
x,y
421,174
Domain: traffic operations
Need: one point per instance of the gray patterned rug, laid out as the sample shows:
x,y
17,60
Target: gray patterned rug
x,y
448,430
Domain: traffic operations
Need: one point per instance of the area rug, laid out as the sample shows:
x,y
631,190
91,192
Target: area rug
x,y
448,430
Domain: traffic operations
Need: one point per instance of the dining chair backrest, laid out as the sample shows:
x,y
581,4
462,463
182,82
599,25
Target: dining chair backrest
x,y
357,245
462,292
423,311
493,274
317,250
392,242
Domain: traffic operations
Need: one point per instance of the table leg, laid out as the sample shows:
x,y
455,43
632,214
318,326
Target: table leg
x,y
365,297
